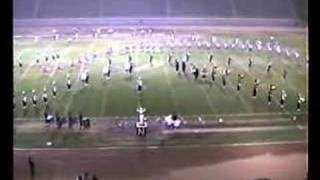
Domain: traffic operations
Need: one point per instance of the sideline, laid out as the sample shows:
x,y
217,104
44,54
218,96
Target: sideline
x,y
232,129
164,147
204,116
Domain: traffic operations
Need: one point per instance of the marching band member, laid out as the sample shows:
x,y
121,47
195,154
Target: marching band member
x,y
283,97
34,98
24,100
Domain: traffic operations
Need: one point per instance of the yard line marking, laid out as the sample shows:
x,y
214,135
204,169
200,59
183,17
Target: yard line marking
x,y
165,70
77,79
26,71
67,107
48,47
207,99
105,97
64,50
290,64
230,85
18,57
52,73
165,146
55,64
104,100
146,66
264,90
243,101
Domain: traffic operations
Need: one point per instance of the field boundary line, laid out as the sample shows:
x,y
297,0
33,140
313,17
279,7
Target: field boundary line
x,y
232,129
165,147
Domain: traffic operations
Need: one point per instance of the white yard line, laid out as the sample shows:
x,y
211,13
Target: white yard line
x,y
208,99
283,62
67,107
20,54
243,101
104,100
52,73
167,78
263,90
26,71
146,66
54,70
77,80
56,65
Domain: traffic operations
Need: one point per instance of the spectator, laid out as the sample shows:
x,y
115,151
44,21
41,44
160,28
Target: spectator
x,y
94,177
31,166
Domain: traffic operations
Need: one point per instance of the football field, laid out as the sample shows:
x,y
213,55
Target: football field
x,y
165,91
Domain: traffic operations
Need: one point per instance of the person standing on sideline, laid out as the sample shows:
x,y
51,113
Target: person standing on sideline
x,y
31,166
94,177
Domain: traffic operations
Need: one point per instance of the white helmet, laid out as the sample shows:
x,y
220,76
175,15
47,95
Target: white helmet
x,y
23,92
53,82
33,91
44,89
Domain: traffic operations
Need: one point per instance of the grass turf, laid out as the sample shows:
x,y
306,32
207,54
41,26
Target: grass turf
x,y
165,92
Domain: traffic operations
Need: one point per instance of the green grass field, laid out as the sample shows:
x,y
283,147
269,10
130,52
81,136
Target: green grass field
x,y
165,92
